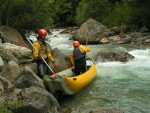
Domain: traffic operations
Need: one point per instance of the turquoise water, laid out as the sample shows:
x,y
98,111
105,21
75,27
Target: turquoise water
x,y
125,86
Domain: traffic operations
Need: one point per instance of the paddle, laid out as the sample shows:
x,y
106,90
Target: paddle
x,y
42,58
87,41
87,45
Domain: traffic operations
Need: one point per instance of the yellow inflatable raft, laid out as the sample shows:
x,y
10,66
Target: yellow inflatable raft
x,y
66,83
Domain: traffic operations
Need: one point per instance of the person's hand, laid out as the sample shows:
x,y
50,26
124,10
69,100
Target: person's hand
x,y
54,64
70,64
40,56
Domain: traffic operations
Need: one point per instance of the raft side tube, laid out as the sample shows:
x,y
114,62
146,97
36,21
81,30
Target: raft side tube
x,y
57,84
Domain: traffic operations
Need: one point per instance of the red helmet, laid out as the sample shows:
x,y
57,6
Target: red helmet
x,y
42,32
76,43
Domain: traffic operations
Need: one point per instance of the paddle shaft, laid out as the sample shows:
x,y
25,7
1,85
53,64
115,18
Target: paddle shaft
x,y
86,41
42,58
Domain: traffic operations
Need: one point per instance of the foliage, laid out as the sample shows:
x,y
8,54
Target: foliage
x,y
22,14
27,15
92,9
121,15
141,12
62,12
115,12
6,107
65,12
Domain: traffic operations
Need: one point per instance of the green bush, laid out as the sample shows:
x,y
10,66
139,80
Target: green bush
x,y
121,15
92,9
6,107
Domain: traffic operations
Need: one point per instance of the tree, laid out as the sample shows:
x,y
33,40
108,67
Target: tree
x,y
27,15
141,12
5,11
95,9
65,12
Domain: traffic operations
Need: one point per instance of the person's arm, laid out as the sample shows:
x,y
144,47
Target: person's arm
x,y
34,52
49,55
85,49
72,59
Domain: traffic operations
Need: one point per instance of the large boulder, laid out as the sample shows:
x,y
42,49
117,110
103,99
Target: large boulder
x,y
91,31
28,79
6,86
59,60
11,35
11,71
18,51
36,100
112,55
6,55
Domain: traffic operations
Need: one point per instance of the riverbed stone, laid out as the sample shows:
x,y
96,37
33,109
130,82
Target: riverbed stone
x,y
111,110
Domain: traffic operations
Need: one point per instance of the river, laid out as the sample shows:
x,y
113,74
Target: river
x,y
125,86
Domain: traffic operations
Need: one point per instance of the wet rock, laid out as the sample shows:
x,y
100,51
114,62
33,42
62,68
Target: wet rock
x,y
126,40
1,63
11,71
11,35
112,110
18,51
36,100
112,55
7,55
91,29
70,110
105,40
60,62
122,35
29,79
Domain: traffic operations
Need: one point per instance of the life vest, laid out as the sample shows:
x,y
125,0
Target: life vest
x,y
43,49
78,54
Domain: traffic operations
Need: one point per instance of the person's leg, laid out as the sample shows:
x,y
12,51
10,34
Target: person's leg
x,y
77,72
83,68
41,70
38,62
46,68
80,66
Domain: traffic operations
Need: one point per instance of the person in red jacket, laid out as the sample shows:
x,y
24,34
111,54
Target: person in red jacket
x,y
78,57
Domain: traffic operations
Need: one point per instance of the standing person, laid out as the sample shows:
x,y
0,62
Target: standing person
x,y
43,52
78,57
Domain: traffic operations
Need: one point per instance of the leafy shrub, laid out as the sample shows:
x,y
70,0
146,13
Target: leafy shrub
x,y
6,107
121,15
